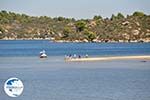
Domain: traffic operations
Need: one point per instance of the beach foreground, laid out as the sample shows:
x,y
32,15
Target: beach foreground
x,y
54,79
109,58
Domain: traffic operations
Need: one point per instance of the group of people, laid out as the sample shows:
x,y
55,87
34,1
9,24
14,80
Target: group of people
x,y
74,56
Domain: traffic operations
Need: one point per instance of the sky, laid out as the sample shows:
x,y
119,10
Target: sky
x,y
75,8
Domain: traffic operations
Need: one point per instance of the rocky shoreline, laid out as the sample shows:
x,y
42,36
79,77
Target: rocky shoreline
x,y
85,41
105,41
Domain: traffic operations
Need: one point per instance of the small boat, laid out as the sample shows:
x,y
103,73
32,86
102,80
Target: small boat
x,y
43,54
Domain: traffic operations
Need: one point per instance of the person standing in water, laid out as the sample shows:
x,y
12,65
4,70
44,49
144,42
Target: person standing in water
x,y
86,56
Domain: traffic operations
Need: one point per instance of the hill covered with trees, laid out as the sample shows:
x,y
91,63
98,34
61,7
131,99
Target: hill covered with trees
x,y
118,28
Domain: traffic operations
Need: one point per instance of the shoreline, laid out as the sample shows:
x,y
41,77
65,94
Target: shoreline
x,y
107,58
77,41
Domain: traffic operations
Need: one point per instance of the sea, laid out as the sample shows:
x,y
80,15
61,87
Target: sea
x,y
55,79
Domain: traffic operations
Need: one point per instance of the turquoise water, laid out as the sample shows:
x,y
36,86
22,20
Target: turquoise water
x,y
55,79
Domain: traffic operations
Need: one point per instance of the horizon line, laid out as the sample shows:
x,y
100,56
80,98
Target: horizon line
x,y
34,15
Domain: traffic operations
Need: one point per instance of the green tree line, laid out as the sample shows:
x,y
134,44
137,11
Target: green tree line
x,y
117,27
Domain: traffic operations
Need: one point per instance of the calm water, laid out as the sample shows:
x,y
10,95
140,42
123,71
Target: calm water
x,y
54,79
32,48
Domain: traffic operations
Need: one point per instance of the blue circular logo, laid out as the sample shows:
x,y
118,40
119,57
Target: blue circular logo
x,y
13,87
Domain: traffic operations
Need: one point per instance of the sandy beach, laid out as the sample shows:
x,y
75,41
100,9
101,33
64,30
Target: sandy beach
x,y
109,58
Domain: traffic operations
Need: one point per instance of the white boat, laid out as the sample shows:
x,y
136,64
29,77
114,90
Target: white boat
x,y
43,54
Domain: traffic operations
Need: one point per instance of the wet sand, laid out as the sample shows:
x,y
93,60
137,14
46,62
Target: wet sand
x,y
109,58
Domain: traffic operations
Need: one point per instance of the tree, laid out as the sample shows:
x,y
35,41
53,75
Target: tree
x,y
61,18
4,13
80,26
66,32
120,16
113,17
89,35
139,14
97,17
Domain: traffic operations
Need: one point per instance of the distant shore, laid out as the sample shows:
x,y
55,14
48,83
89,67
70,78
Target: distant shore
x,y
84,41
109,58
117,28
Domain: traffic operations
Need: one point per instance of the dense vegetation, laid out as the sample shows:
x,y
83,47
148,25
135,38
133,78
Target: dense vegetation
x,y
135,27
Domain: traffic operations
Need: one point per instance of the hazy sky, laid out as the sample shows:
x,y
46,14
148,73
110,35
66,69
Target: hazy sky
x,y
75,8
